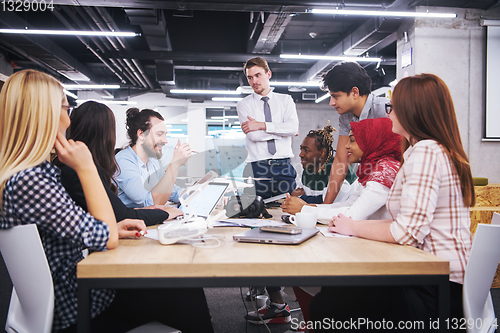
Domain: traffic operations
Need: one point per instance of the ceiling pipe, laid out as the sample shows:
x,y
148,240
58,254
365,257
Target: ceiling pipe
x,y
141,70
96,23
118,67
269,6
116,45
135,72
70,27
22,53
127,69
108,20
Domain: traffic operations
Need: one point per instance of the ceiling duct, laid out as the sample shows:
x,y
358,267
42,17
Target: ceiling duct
x,y
309,96
48,54
367,36
271,33
165,73
154,30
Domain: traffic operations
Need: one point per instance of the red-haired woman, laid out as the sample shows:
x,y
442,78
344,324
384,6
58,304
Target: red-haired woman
x,y
429,205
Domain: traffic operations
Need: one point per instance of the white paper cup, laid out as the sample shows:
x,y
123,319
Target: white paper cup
x,y
261,301
304,220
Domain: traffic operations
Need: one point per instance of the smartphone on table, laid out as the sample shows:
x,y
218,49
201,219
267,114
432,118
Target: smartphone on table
x,y
282,229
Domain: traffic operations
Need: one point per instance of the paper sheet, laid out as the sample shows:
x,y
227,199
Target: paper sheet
x,y
326,233
152,234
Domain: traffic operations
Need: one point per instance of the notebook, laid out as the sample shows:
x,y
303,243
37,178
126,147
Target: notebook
x,y
203,203
257,236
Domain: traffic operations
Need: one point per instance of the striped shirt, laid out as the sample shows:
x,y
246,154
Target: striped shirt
x,y
35,195
427,207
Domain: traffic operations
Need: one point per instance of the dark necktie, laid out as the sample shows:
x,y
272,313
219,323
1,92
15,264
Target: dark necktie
x,y
271,145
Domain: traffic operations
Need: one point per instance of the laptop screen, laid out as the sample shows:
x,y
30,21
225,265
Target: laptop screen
x,y
204,202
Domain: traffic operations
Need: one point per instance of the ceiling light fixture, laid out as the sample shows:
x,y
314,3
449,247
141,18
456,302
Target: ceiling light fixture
x,y
70,94
380,13
295,84
69,32
245,89
204,92
393,83
107,102
227,99
90,86
74,75
174,135
324,57
322,98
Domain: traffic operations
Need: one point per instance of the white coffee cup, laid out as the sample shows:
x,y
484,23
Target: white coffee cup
x,y
261,301
304,220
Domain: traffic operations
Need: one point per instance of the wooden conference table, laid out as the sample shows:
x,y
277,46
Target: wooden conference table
x,y
320,261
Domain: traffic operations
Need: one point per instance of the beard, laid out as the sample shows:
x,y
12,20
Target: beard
x,y
258,89
149,148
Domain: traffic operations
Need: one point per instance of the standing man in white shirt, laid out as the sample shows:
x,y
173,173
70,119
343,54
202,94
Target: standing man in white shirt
x,y
269,121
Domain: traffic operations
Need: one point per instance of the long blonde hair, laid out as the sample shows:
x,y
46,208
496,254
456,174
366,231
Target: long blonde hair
x,y
30,106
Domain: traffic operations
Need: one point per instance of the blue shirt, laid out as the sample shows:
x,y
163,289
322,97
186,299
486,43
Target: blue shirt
x,y
35,195
136,180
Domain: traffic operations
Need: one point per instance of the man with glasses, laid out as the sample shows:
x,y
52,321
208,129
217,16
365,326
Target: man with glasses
x,y
350,90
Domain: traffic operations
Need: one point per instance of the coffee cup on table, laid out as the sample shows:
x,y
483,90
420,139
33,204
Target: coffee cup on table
x,y
304,220
261,301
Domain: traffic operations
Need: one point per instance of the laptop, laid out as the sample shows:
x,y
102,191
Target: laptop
x,y
257,236
204,201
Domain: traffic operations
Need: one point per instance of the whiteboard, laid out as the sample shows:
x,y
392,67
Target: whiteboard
x,y
493,83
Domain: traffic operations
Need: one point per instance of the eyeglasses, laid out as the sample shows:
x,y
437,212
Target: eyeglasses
x,y
388,108
68,108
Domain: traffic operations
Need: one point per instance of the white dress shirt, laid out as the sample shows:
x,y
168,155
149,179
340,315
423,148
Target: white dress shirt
x,y
285,124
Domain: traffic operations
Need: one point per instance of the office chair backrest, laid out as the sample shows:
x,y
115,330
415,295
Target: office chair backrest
x,y
496,219
479,274
32,302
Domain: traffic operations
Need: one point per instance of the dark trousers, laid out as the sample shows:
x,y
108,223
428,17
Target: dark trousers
x,y
376,305
304,300
183,309
312,199
281,172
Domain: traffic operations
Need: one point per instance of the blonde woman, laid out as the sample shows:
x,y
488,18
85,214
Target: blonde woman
x,y
33,118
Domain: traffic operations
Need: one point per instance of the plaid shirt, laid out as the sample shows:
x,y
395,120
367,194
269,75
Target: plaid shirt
x,y
427,207
35,195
